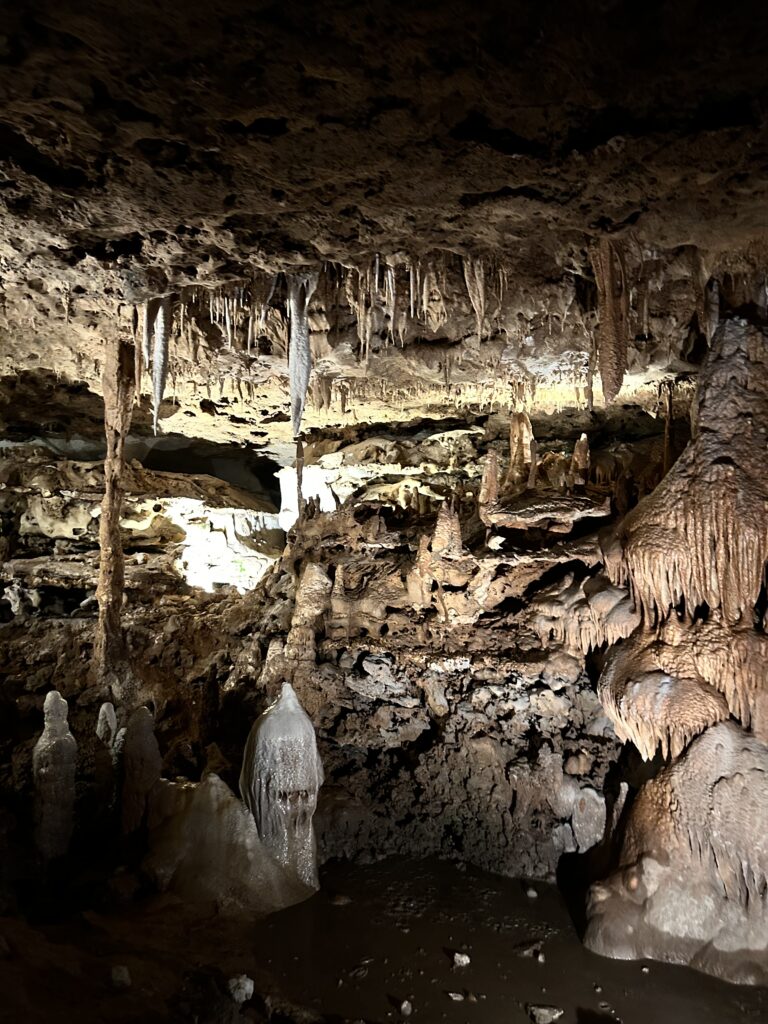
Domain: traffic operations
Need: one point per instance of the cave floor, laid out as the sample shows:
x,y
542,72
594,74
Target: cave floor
x,y
375,937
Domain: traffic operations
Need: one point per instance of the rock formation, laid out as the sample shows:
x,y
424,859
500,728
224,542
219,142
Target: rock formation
x,y
693,554
54,760
280,780
205,847
140,762
692,876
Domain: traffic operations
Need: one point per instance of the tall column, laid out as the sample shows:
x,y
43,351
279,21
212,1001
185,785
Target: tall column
x,y
118,386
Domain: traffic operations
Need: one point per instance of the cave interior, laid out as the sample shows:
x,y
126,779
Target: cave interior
x,y
384,512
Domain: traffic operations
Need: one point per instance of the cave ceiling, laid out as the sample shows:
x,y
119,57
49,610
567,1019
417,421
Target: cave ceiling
x,y
198,150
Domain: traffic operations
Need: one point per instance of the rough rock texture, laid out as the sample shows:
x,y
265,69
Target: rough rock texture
x,y
444,723
448,197
692,879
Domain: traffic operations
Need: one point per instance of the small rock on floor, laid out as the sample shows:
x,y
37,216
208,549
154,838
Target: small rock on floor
x,y
544,1014
121,976
240,988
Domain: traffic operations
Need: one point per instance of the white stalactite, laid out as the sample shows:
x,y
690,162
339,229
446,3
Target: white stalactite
x,y
301,287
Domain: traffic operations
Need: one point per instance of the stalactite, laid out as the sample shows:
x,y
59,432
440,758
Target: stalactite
x,y
162,330
583,616
138,361
613,310
118,394
301,287
432,301
474,278
149,315
712,309
390,298
668,391
228,325
654,695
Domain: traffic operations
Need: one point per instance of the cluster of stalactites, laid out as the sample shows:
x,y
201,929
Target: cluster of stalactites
x,y
239,312
711,671
583,615
702,536
403,290
654,710
415,290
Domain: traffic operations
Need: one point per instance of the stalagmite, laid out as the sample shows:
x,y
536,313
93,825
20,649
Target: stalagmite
x,y
53,769
106,724
520,437
204,847
281,776
580,462
108,657
488,494
693,868
301,287
446,539
141,764
613,310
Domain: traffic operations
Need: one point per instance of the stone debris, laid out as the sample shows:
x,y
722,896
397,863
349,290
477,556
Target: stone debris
x,y
544,1014
240,988
121,977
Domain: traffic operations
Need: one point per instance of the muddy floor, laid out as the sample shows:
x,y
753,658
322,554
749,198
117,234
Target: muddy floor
x,y
395,941
379,943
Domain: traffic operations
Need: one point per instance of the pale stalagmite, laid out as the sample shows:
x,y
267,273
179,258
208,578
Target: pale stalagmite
x,y
280,779
54,762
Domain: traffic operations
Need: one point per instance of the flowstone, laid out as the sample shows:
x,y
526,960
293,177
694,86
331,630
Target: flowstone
x,y
691,885
205,848
279,782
